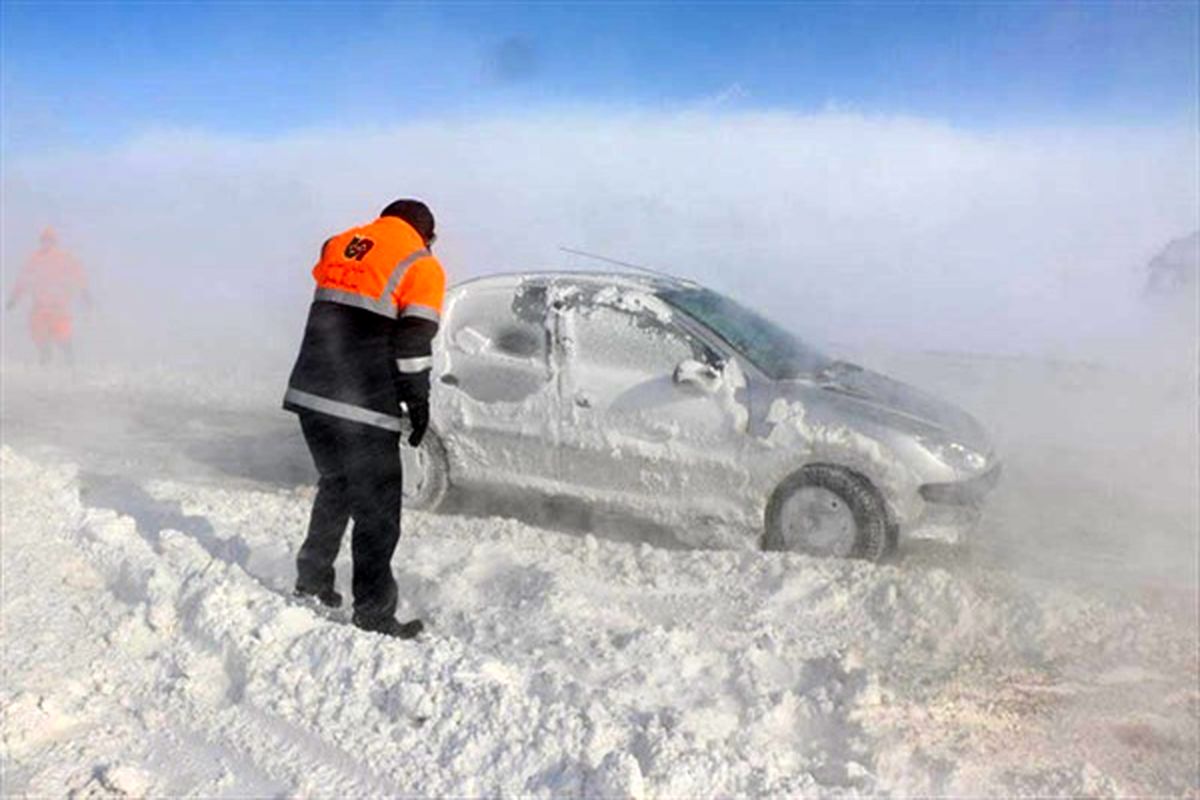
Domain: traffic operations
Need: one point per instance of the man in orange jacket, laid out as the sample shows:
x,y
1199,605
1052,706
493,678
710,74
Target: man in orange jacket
x,y
367,349
53,279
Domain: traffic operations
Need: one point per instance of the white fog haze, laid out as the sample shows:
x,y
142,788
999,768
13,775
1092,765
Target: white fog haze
x,y
1001,259
852,228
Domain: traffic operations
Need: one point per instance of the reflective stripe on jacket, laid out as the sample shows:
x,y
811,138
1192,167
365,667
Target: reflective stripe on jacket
x,y
368,341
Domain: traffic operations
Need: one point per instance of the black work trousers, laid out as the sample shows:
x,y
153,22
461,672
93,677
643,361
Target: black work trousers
x,y
361,479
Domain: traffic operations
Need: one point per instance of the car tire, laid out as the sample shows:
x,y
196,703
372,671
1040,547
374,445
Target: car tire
x,y
430,462
844,495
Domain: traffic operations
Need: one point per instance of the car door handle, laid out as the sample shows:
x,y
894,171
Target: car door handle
x,y
449,379
583,400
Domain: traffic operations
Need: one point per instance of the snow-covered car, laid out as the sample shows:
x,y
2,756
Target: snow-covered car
x,y
670,401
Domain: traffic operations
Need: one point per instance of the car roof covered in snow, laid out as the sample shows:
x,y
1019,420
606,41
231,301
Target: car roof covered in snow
x,y
628,280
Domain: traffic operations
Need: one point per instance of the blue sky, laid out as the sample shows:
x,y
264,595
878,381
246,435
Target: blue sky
x,y
83,74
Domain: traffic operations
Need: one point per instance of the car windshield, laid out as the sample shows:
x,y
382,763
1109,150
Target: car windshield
x,y
773,349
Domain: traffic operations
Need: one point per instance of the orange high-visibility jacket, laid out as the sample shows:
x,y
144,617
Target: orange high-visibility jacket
x,y
383,267
53,279
368,342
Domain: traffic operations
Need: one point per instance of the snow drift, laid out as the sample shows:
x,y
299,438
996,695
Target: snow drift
x,y
152,647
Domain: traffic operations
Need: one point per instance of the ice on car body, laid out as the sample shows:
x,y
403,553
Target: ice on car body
x,y
671,401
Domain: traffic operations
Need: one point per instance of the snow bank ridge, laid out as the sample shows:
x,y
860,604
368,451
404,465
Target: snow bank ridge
x,y
163,662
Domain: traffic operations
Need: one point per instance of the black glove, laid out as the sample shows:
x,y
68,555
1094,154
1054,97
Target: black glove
x,y
418,418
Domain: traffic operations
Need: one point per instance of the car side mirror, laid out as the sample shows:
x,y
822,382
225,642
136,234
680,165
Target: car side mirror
x,y
697,377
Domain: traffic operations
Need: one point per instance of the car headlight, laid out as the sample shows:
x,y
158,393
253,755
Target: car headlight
x,y
955,455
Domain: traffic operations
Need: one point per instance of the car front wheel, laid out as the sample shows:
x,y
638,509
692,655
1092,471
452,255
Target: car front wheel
x,y
826,510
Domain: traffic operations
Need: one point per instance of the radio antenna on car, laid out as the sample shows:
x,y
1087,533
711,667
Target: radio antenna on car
x,y
619,263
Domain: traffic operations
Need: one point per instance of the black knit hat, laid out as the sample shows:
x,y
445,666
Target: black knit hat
x,y
415,213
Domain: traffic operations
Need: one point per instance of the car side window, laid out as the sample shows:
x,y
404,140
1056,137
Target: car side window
x,y
608,337
497,343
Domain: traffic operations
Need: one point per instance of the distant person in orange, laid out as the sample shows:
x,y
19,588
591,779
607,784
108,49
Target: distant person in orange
x,y
53,279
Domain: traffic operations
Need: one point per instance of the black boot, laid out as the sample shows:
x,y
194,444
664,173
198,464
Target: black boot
x,y
390,626
328,596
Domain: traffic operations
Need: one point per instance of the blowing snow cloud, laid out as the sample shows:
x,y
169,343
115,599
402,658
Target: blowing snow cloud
x,y
851,228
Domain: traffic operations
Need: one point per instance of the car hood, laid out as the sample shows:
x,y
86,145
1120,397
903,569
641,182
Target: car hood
x,y
898,404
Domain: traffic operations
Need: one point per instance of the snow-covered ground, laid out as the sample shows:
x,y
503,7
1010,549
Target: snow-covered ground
x,y
151,645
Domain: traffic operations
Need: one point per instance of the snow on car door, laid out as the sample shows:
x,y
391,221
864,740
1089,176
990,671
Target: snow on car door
x,y
630,432
499,386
